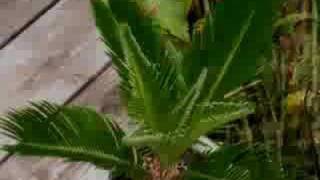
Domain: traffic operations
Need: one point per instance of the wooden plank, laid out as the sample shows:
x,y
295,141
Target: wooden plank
x,y
102,95
29,168
17,15
50,60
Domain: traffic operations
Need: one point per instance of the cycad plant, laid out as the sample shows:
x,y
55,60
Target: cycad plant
x,y
176,60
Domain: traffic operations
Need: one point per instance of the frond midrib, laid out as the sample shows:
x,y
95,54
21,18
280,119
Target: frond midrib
x,y
76,150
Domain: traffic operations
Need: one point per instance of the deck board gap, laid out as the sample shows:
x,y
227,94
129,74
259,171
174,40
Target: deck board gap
x,y
19,31
77,93
87,84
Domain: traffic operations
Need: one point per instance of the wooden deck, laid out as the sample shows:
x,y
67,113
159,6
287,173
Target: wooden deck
x,y
49,50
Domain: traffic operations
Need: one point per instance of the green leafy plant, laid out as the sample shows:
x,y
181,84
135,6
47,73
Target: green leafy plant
x,y
172,84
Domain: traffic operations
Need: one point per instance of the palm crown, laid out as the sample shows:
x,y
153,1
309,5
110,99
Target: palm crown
x,y
173,77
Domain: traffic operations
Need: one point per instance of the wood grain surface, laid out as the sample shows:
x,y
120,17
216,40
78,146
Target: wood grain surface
x,y
51,60
16,15
100,94
103,95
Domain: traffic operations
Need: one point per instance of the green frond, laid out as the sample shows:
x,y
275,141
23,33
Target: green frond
x,y
110,31
196,123
175,58
72,132
171,144
173,17
188,104
108,27
194,91
143,140
235,163
164,72
232,59
138,63
217,114
144,80
136,109
144,26
73,153
154,85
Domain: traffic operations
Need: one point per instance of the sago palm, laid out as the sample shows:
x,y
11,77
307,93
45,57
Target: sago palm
x,y
173,77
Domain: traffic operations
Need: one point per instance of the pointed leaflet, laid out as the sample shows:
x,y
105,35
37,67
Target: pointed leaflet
x,y
173,142
109,30
156,100
256,43
145,26
235,163
73,153
217,114
218,165
107,26
173,17
176,142
222,72
74,133
238,33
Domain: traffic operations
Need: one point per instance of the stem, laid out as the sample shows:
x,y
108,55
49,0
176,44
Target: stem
x,y
230,57
283,113
315,71
247,131
206,6
314,54
142,140
197,7
278,134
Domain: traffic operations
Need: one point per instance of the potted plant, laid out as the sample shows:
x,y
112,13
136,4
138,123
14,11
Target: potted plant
x,y
174,73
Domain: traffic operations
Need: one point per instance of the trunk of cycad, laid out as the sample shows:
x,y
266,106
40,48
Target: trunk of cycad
x,y
157,172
